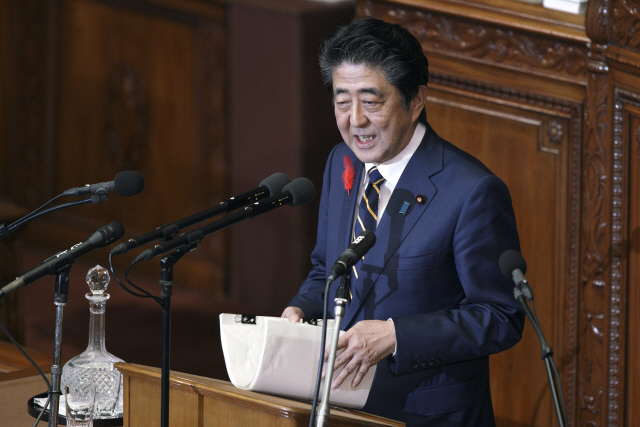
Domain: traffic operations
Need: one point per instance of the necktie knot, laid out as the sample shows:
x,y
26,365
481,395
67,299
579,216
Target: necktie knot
x,y
368,209
375,177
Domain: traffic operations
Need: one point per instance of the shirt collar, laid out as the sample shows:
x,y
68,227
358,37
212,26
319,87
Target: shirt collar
x,y
392,169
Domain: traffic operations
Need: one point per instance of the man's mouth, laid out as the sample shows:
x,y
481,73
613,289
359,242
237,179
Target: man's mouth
x,y
365,138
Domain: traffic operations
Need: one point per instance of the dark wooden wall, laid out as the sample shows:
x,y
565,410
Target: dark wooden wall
x,y
113,86
95,87
550,102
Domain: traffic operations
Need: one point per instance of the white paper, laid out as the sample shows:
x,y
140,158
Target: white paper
x,y
275,356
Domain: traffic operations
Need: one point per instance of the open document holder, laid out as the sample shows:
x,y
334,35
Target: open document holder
x,y
274,356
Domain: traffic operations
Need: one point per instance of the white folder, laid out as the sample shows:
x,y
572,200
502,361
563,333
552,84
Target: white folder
x,y
274,356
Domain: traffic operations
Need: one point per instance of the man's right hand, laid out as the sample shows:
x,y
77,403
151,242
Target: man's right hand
x,y
294,314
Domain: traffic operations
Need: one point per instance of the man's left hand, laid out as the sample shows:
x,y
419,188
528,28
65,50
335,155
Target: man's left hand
x,y
365,344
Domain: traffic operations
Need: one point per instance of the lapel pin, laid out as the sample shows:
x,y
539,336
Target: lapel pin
x,y
403,209
421,199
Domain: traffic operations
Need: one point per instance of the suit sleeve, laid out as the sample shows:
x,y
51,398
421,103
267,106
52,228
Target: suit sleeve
x,y
488,319
310,297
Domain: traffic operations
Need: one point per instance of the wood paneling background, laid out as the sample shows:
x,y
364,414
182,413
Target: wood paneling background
x,y
95,87
105,86
102,86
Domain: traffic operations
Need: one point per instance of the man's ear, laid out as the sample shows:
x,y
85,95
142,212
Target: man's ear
x,y
418,102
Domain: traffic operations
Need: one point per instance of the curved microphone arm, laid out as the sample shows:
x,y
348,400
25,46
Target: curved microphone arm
x,y
5,231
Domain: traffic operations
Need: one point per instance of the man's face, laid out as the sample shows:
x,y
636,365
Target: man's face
x,y
370,115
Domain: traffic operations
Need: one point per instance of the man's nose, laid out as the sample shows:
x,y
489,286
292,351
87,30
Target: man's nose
x,y
358,118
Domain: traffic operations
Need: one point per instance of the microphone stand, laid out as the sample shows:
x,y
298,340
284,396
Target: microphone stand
x,y
166,283
62,292
521,291
341,300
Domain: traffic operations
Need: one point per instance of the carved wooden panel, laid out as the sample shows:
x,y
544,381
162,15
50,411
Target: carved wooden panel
x,y
631,375
480,41
526,142
625,22
142,87
623,315
596,215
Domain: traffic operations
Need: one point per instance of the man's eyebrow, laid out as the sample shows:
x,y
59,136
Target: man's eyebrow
x,y
372,90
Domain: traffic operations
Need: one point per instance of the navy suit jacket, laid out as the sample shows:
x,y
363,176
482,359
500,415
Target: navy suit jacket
x,y
434,271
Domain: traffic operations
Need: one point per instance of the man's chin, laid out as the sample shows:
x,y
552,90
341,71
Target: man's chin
x,y
366,155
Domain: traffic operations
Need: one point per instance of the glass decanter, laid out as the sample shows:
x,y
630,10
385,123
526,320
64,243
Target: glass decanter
x,y
95,364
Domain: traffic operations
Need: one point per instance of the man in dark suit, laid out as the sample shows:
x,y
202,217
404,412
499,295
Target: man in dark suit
x,y
429,303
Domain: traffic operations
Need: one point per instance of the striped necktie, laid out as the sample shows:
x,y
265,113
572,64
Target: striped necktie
x,y
368,210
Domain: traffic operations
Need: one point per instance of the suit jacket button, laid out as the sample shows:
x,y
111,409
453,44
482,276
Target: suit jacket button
x,y
438,361
431,363
423,364
415,366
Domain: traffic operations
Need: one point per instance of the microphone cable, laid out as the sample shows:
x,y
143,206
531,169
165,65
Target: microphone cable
x,y
142,293
35,365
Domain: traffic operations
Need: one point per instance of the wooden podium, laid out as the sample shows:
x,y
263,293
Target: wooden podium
x,y
206,402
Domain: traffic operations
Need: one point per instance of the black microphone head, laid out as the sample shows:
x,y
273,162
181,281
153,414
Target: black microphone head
x,y
110,233
511,260
128,183
275,183
364,242
302,191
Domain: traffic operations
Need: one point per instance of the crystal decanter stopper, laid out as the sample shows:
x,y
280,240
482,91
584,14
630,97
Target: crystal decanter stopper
x,y
95,364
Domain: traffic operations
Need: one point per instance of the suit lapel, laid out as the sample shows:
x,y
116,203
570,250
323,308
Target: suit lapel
x,y
397,220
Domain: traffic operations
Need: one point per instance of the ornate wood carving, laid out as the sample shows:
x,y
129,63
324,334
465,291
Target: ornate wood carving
x,y
614,21
480,41
555,132
505,93
596,218
574,265
625,23
597,20
623,134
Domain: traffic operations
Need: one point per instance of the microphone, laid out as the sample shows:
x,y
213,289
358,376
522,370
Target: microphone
x,y
270,186
513,266
352,254
128,183
100,238
298,192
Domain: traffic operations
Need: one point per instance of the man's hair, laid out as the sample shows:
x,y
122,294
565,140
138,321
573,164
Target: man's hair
x,y
380,45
